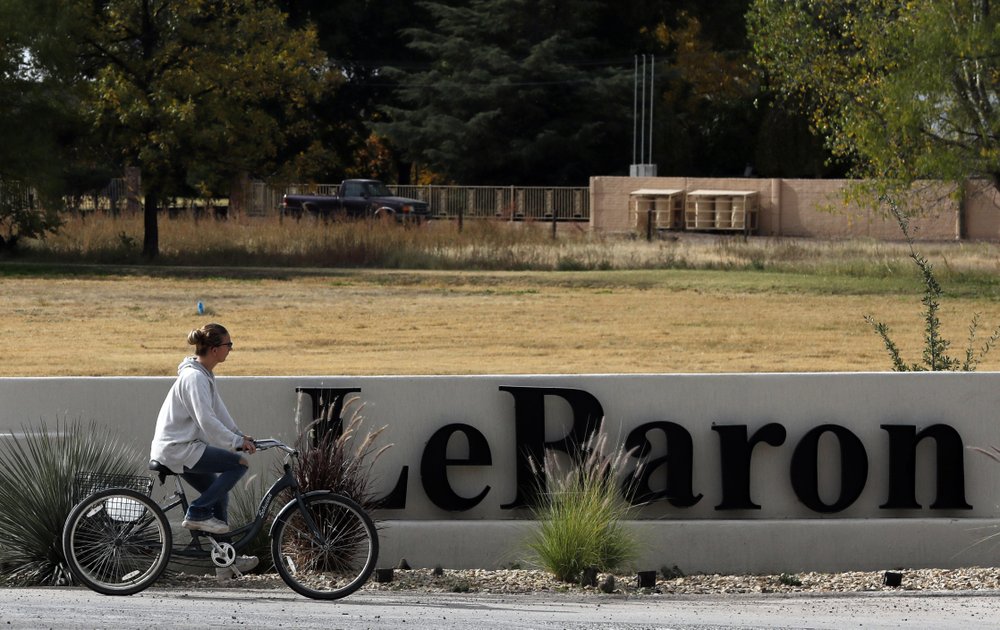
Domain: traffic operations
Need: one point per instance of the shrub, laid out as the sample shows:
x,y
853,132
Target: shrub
x,y
580,513
19,220
935,356
36,492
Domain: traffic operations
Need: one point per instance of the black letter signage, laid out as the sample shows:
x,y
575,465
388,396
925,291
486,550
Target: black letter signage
x,y
529,433
903,440
735,452
434,466
679,462
327,405
853,468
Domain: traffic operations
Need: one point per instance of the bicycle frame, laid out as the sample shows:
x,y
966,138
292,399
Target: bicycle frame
x,y
244,534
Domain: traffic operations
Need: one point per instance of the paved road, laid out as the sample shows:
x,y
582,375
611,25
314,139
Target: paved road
x,y
75,608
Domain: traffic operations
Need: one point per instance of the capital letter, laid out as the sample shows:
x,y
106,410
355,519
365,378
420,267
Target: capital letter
x,y
529,433
326,405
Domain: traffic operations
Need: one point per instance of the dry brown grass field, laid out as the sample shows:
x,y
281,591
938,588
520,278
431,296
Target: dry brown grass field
x,y
723,317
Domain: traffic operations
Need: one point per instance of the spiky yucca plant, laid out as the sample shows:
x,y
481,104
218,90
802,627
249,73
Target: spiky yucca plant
x,y
581,512
36,491
332,458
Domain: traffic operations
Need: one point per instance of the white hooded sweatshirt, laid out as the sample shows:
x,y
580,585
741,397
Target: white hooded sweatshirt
x,y
192,417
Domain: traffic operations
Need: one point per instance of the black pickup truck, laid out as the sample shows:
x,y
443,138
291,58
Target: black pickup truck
x,y
356,198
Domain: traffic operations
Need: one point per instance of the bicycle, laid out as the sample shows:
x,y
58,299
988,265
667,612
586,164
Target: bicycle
x,y
118,541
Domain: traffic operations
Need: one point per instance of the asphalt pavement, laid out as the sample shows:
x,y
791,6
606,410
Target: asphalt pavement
x,y
76,608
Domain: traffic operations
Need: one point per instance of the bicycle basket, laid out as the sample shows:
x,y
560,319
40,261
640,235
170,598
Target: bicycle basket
x,y
87,483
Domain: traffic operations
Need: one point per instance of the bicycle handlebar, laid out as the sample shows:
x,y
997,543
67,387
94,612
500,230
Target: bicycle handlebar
x,y
263,445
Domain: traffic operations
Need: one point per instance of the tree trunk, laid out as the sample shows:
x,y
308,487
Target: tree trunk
x,y
151,238
239,195
403,170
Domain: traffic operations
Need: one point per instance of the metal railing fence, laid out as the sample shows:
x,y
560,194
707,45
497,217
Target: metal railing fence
x,y
510,203
111,198
16,195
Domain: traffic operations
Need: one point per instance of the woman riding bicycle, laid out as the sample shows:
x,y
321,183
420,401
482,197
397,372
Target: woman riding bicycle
x,y
118,541
196,437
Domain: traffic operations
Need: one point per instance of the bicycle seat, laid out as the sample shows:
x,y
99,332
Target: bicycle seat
x,y
160,469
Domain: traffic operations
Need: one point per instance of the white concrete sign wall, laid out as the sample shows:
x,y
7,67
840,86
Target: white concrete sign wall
x,y
741,472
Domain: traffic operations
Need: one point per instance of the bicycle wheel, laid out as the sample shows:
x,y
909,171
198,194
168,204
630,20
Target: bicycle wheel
x,y
334,560
117,541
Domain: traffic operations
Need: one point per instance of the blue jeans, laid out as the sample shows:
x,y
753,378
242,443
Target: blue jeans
x,y
215,474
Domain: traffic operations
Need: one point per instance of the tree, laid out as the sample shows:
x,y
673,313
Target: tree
x,y
35,109
512,91
359,37
907,89
194,91
713,117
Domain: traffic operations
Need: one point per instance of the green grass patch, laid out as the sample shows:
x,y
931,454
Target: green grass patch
x,y
265,248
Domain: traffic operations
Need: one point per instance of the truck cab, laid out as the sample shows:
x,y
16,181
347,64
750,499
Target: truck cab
x,y
364,197
357,198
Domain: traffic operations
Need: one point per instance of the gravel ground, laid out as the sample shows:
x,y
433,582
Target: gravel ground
x,y
522,581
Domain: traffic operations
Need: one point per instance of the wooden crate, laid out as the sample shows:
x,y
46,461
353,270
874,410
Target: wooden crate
x,y
721,210
664,205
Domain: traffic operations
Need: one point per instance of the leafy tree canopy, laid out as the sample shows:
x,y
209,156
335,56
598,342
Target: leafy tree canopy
x,y
194,91
181,81
907,89
34,105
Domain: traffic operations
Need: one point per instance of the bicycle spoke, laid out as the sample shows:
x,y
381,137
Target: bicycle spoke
x,y
118,542
331,553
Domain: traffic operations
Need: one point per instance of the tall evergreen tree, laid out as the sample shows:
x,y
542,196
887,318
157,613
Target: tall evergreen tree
x,y
36,102
513,91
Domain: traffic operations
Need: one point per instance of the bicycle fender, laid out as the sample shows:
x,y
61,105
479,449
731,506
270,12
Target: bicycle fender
x,y
288,507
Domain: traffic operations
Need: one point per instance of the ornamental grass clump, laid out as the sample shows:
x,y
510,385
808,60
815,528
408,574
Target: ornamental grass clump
x,y
580,513
37,468
331,457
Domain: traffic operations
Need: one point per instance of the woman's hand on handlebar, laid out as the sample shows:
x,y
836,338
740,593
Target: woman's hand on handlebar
x,y
248,445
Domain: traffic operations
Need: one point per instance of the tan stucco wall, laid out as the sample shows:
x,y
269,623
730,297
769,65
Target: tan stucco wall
x,y
816,207
982,212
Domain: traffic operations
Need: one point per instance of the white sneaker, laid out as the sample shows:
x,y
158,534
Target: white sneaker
x,y
241,565
210,525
